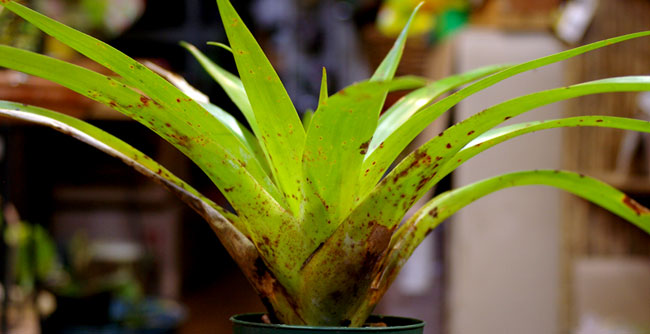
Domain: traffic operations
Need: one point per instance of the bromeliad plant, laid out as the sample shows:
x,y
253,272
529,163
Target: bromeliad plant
x,y
316,227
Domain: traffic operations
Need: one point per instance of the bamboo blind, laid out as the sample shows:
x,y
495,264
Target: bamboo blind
x,y
589,230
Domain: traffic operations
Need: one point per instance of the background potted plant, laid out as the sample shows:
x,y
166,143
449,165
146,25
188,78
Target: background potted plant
x,y
316,227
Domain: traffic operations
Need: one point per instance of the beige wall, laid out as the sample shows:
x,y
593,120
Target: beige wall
x,y
503,249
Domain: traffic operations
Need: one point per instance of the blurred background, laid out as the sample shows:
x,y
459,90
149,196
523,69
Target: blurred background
x,y
89,245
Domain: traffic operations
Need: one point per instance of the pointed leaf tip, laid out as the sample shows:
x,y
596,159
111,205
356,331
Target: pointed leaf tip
x,y
389,65
221,45
324,94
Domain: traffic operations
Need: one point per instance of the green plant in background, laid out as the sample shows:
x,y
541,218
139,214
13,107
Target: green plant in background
x,y
99,17
316,227
32,252
36,264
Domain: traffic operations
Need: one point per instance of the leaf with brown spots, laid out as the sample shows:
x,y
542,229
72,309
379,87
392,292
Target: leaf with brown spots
x,y
397,138
169,125
405,108
334,150
158,101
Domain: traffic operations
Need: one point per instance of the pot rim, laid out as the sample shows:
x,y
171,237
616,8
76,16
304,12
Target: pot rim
x,y
414,323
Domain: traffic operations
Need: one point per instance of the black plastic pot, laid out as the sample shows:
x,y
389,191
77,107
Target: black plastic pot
x,y
252,324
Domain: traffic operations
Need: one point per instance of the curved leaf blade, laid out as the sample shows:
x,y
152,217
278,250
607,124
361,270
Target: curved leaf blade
x,y
399,139
221,45
421,169
199,136
226,225
272,228
365,234
163,95
236,128
401,112
494,137
425,222
411,234
410,104
230,83
115,147
132,72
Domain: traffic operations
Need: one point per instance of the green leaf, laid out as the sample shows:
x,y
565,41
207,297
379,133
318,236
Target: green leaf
x,y
251,192
323,89
230,83
236,128
407,106
115,147
411,234
200,136
404,109
280,129
388,66
241,132
306,119
240,248
195,126
399,139
221,45
496,136
421,169
372,222
176,80
337,141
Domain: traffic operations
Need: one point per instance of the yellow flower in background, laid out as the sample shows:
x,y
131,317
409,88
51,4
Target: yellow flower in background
x,y
393,15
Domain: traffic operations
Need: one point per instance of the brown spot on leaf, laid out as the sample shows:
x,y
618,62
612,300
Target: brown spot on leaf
x,y
634,205
434,212
364,147
470,133
378,239
423,182
266,240
400,175
145,100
